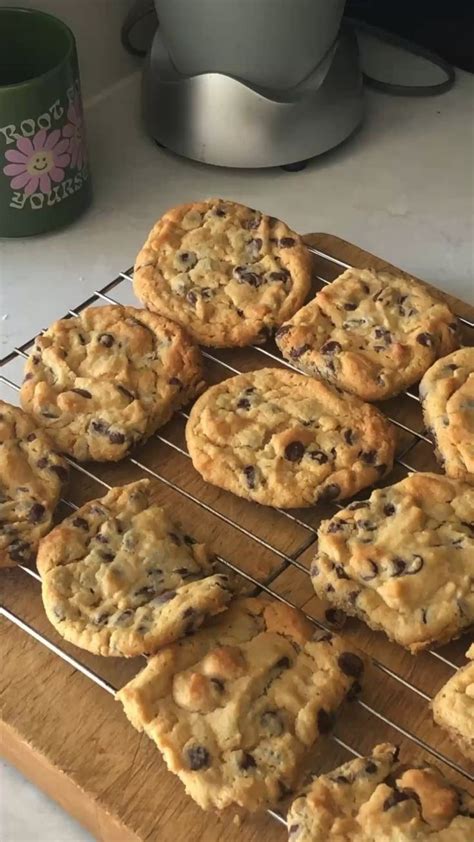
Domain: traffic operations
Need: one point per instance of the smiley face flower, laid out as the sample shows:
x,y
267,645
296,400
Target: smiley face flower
x,y
36,163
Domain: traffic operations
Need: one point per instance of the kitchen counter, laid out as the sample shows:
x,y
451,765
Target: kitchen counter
x,y
401,187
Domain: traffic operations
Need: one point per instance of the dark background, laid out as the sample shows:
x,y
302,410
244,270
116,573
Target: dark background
x,y
444,26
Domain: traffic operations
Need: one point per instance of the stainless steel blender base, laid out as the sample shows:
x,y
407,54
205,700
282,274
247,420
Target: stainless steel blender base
x,y
221,120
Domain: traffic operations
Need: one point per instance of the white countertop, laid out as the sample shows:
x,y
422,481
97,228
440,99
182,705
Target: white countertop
x,y
402,188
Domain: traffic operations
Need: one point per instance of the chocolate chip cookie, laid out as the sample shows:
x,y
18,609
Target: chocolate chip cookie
x,y
121,578
403,561
447,393
372,333
237,708
370,800
32,477
453,706
282,439
229,274
106,380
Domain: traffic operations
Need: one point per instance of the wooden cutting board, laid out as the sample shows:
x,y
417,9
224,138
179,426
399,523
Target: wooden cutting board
x,y
70,737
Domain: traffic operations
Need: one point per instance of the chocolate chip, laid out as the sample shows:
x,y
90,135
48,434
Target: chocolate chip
x,y
36,513
31,437
189,540
366,525
351,664
219,212
331,347
191,297
370,767
105,555
336,526
175,381
102,619
373,571
106,339
250,475
128,394
353,507
340,572
283,663
174,538
19,550
415,566
286,242
80,523
187,258
99,426
298,352
395,798
124,616
423,616
318,456
342,779
61,472
294,451
243,403
245,276
325,721
281,275
166,596
282,331
27,377
101,538
389,509
82,392
247,761
426,339
349,305
335,617
377,294
368,456
271,722
348,436
218,684
293,828
116,438
383,333
398,566
329,492
314,570
198,758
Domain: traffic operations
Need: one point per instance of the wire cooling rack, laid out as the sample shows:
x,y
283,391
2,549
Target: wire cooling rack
x,y
286,560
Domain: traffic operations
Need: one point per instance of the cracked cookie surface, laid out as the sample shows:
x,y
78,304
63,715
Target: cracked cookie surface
x,y
106,380
372,333
447,393
237,708
403,561
453,706
283,439
229,274
32,476
119,577
370,800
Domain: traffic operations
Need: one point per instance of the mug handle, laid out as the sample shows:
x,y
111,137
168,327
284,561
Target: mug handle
x,y
140,10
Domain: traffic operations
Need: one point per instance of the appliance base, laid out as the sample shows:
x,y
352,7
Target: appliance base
x,y
227,122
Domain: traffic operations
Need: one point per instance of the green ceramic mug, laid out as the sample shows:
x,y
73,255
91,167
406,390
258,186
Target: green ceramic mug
x,y
44,175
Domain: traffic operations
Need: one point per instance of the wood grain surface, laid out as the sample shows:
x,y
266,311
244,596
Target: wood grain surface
x,y
69,735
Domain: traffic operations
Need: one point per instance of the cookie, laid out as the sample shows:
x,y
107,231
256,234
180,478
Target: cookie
x,y
447,393
237,708
32,477
106,380
371,800
282,439
229,274
453,706
372,333
121,578
403,561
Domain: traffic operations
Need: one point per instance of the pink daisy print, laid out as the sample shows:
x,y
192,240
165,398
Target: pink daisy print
x,y
36,163
74,130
